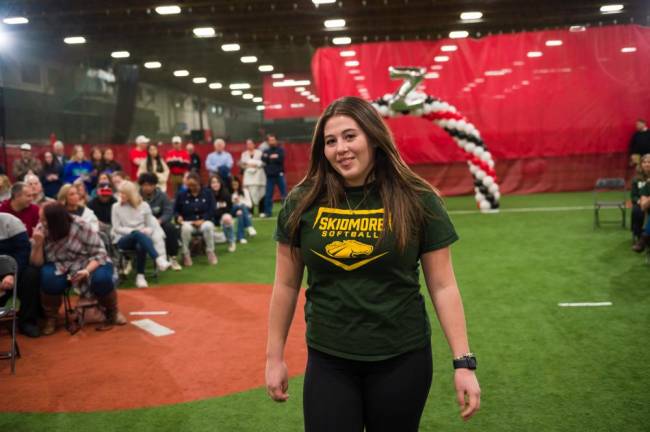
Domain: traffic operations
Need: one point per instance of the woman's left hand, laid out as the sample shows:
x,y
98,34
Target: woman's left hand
x,y
80,276
468,392
7,283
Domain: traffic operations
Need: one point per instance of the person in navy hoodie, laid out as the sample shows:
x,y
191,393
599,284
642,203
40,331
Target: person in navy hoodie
x,y
273,157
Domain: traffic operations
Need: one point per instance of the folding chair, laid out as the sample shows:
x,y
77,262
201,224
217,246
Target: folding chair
x,y
605,197
75,316
9,312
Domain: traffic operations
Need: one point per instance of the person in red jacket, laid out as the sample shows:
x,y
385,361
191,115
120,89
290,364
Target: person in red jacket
x,y
20,205
178,161
138,154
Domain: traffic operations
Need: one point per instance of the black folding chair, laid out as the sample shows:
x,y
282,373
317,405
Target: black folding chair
x,y
9,312
606,196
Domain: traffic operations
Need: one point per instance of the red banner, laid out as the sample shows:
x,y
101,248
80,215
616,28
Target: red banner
x,y
537,94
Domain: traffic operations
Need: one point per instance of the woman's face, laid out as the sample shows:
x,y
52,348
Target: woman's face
x,y
103,178
123,197
153,151
108,155
49,158
193,186
235,185
645,166
215,184
347,150
96,155
250,145
72,197
79,154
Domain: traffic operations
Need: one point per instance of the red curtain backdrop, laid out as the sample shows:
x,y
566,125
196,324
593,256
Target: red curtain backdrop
x,y
286,102
578,98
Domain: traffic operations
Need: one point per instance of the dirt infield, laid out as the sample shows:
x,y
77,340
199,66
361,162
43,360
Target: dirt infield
x,y
218,348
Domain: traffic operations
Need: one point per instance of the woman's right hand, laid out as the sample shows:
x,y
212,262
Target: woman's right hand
x,y
146,231
38,235
277,380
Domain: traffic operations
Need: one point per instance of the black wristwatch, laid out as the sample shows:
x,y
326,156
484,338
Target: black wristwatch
x,y
466,361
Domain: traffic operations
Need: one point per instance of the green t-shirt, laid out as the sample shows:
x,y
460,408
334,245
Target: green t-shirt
x,y
363,299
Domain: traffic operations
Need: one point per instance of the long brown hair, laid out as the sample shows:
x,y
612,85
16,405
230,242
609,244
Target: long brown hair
x,y
399,187
58,220
641,175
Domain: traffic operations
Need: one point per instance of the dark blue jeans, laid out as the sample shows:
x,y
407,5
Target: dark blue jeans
x,y
142,245
271,181
243,219
101,280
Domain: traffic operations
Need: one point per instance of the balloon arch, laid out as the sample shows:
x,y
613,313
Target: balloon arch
x,y
406,101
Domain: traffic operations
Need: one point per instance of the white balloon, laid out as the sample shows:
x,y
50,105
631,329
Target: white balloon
x,y
493,188
478,151
490,163
479,197
497,195
485,205
470,147
480,174
488,181
472,169
486,156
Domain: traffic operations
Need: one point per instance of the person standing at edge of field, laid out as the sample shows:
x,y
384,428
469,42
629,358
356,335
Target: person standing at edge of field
x,y
273,158
640,142
195,160
178,161
361,221
640,203
254,177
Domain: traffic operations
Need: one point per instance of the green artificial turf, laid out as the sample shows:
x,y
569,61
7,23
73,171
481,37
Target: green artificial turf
x,y
541,367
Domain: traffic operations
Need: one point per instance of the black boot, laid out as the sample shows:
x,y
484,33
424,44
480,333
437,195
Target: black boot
x,y
113,315
641,244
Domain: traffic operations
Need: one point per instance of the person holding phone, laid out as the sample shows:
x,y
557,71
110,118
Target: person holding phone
x,y
363,223
70,252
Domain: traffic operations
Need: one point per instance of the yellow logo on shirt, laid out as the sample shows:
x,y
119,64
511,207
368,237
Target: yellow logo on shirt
x,y
350,225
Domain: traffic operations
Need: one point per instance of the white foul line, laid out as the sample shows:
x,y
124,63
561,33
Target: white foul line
x,y
149,313
585,304
153,327
524,210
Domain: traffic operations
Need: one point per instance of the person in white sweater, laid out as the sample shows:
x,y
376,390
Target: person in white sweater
x,y
241,210
135,228
254,176
155,164
70,197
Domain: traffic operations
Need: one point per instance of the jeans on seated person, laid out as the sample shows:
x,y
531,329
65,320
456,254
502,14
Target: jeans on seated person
x,y
171,238
207,231
243,219
101,280
142,244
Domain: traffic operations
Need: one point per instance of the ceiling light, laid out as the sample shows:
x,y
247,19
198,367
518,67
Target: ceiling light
x,y
230,47
334,23
448,48
257,99
277,76
181,73
199,80
265,68
469,16
348,53
168,10
15,20
611,8
577,28
441,59
75,40
248,59
120,54
236,92
317,2
458,34
215,85
260,108
291,83
204,32
533,54
239,86
352,63
248,96
343,40
552,43
153,65
628,49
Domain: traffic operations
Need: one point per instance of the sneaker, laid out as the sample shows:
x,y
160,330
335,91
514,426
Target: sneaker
x,y
140,281
175,265
232,247
187,260
162,263
251,231
243,241
212,258
128,268
262,215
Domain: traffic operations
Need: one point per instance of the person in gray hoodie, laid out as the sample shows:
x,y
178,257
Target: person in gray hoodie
x,y
163,210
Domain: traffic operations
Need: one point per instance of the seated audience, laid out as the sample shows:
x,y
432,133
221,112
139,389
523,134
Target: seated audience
x,y
70,253
117,178
639,184
194,211
242,209
154,164
51,175
135,228
78,167
39,197
110,165
163,210
69,197
58,150
15,243
222,209
103,202
97,161
83,192
20,205
5,187
26,163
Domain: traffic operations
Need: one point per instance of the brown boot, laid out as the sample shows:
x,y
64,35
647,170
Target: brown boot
x,y
641,244
113,315
51,305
